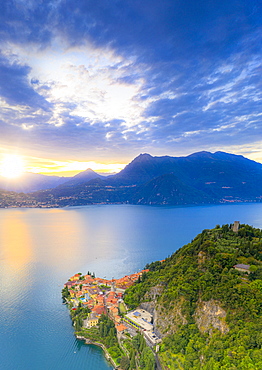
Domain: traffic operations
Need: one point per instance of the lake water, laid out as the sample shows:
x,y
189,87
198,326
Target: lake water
x,y
41,248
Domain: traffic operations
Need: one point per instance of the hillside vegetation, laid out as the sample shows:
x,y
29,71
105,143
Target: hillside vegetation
x,y
208,313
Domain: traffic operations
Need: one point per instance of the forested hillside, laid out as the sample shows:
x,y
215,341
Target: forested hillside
x,y
208,313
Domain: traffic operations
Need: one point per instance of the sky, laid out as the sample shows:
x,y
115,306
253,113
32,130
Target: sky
x,y
94,83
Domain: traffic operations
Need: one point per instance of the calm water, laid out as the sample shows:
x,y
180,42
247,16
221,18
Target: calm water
x,y
41,249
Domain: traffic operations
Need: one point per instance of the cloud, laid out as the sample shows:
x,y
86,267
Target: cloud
x,y
15,87
119,77
96,81
158,31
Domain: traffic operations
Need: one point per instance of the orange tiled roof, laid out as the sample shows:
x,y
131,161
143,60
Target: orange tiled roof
x,y
69,283
99,310
75,277
88,279
120,327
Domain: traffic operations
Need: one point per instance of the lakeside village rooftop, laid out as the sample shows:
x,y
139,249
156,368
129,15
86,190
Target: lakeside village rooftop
x,y
104,296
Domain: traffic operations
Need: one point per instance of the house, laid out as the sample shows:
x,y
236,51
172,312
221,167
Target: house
x,y
121,328
243,268
113,312
100,300
99,310
93,292
75,277
88,279
101,281
91,321
111,302
69,284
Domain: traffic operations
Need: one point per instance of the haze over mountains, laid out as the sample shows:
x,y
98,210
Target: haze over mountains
x,y
199,178
30,182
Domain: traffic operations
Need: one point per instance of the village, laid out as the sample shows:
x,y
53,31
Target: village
x,y
104,296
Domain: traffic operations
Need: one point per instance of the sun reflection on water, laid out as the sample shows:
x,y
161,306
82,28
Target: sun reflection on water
x,y
16,243
16,255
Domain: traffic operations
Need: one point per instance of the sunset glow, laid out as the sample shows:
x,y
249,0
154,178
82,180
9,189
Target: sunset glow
x,y
12,166
70,168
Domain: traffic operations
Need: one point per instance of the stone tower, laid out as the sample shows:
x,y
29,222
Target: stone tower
x,y
236,226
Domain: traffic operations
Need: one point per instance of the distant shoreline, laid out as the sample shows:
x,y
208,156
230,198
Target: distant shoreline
x,y
181,205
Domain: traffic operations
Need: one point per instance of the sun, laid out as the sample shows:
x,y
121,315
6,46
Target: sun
x,y
12,166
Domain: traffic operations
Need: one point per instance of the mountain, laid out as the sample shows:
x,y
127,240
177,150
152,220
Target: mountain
x,y
206,301
83,177
202,168
222,177
30,182
200,178
143,168
169,189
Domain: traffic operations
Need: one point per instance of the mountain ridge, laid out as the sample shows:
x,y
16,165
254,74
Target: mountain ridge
x,y
82,177
200,178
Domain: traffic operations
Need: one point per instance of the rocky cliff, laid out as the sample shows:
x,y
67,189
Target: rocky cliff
x,y
209,316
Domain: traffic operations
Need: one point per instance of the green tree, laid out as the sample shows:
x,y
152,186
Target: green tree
x,y
147,359
132,365
124,363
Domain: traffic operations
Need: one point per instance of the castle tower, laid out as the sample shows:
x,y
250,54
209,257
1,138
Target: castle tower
x,y
236,226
